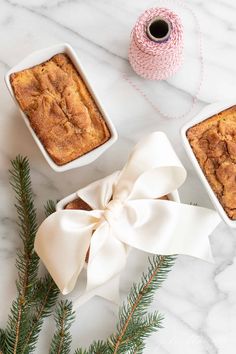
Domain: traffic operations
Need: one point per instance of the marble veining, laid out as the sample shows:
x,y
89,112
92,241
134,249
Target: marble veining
x,y
198,299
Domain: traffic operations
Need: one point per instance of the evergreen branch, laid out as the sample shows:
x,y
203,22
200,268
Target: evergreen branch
x,y
47,294
50,208
27,260
139,348
98,347
35,297
64,318
2,341
134,322
143,328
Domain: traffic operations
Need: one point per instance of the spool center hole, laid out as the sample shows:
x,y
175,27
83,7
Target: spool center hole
x,y
159,28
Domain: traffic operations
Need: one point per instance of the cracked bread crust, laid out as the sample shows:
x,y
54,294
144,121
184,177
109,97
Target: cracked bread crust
x,y
60,109
213,142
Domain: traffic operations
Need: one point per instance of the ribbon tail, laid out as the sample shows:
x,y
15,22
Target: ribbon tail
x,y
150,173
111,290
107,258
166,227
108,291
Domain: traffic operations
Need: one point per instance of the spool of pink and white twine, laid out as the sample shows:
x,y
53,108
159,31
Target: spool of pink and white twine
x,y
156,48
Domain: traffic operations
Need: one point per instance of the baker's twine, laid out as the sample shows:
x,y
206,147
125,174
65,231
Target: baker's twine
x,y
156,60
160,60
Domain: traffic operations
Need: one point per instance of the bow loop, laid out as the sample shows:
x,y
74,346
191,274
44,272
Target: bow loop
x,y
98,194
64,239
152,170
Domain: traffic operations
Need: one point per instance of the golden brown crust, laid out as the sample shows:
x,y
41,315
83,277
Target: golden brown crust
x,y
78,204
214,144
164,197
60,109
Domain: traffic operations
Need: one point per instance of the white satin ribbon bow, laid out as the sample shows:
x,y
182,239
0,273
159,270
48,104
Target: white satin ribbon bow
x,y
126,212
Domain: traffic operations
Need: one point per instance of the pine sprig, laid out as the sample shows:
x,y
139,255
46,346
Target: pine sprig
x,y
99,347
64,317
27,260
36,297
50,208
21,183
46,294
135,324
2,341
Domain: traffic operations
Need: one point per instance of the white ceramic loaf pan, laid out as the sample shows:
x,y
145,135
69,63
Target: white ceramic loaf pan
x,y
38,58
207,112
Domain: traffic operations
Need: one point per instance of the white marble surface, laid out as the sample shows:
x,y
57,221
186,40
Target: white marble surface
x,y
198,299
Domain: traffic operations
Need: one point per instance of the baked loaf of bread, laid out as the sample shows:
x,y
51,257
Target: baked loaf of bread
x,y
78,204
214,144
60,109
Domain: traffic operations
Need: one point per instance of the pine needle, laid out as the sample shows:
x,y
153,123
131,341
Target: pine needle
x,y
50,207
35,297
45,296
98,347
2,341
64,317
27,260
135,323
46,293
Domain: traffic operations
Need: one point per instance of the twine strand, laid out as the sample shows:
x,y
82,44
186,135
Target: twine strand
x,y
145,55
